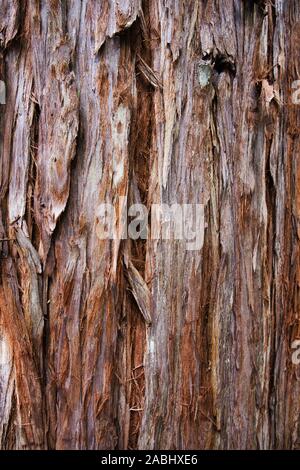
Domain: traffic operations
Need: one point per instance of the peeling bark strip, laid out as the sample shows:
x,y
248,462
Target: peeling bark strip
x,y
143,344
140,291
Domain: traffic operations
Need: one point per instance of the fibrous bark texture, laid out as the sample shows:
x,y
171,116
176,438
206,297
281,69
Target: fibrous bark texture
x,y
143,344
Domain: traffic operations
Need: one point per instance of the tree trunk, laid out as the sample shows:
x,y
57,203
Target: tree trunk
x,y
122,343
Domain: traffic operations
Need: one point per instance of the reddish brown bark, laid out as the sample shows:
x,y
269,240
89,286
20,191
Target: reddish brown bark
x,y
144,344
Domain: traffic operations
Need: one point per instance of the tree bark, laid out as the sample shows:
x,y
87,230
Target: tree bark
x,y
145,344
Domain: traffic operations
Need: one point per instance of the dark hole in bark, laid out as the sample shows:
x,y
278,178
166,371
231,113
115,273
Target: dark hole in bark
x,y
224,64
260,3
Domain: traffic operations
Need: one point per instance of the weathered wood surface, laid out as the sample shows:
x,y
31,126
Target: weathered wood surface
x,y
123,344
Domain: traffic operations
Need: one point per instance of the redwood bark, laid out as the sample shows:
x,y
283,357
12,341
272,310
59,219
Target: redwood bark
x,y
129,344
